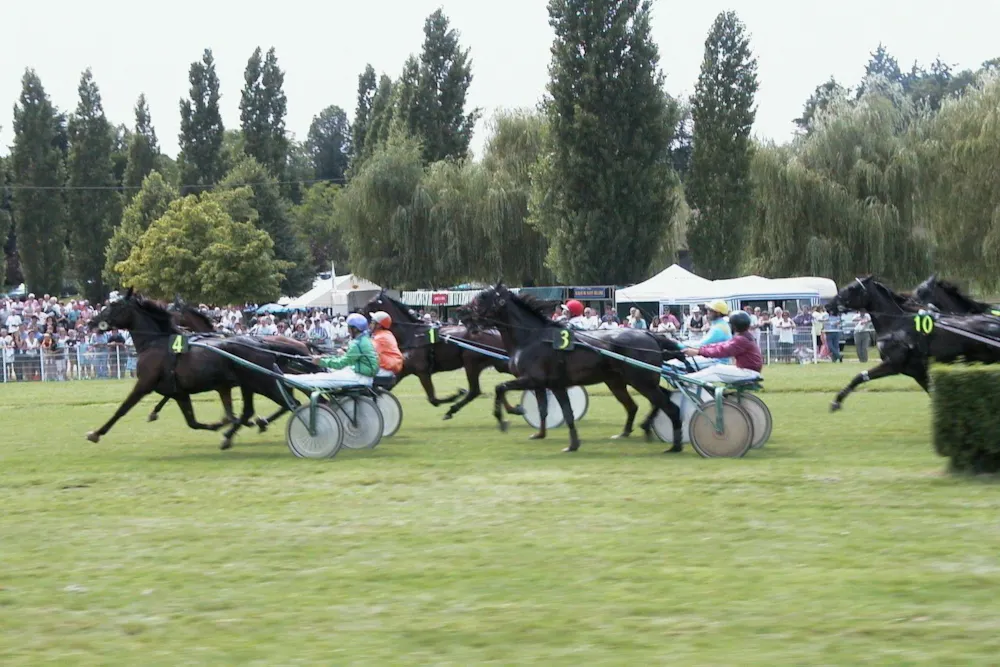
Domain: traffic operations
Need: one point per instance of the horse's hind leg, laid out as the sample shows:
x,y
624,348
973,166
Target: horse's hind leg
x,y
567,410
184,401
472,376
542,398
227,437
660,398
499,392
155,414
620,391
428,384
885,369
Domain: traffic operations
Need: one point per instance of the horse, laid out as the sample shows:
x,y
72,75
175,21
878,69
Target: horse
x,y
532,339
196,370
945,297
423,357
909,337
187,317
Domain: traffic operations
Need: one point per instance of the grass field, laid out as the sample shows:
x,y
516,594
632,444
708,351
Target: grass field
x,y
843,541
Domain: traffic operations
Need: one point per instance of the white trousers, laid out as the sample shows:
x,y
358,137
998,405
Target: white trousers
x,y
345,377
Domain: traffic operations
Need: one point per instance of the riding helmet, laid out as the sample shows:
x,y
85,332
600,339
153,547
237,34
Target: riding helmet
x,y
357,321
382,318
574,307
719,306
739,321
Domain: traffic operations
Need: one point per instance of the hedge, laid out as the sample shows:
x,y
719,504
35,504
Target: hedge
x,y
966,407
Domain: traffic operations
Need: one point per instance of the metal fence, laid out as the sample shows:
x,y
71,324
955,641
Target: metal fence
x,y
96,362
119,361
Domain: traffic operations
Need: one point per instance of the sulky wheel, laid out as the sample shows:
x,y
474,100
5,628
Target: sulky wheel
x,y
392,413
363,422
579,401
531,415
737,433
324,443
760,416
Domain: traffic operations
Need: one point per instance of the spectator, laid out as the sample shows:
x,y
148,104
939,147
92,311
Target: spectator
x,y
864,335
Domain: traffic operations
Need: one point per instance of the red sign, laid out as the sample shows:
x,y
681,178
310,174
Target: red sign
x,y
439,299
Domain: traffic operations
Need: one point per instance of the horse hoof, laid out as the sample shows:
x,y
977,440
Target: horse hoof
x,y
676,449
834,406
153,416
226,444
620,436
504,426
93,436
537,436
571,448
463,392
517,411
447,416
261,425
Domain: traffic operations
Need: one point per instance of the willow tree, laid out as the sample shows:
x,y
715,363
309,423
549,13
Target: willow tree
x,y
960,184
518,255
840,202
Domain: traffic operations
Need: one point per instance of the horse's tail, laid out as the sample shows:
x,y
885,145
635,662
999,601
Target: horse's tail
x,y
292,356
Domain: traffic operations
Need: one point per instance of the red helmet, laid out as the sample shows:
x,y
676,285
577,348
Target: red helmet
x,y
574,307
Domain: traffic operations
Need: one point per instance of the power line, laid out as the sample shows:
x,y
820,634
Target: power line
x,y
121,188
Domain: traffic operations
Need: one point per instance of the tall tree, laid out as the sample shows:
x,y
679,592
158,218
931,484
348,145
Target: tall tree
x,y
315,222
143,149
443,79
274,217
263,106
328,144
367,85
201,127
603,196
5,223
818,102
93,203
380,119
718,187
39,209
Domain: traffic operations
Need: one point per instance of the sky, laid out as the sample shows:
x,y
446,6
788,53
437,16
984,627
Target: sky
x,y
147,48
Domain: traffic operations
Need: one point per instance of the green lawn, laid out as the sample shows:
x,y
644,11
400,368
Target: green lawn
x,y
842,542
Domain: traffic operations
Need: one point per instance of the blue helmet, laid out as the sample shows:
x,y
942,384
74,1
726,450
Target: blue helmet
x,y
357,321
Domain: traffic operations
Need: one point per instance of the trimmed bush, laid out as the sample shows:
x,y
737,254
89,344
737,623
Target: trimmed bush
x,y
966,404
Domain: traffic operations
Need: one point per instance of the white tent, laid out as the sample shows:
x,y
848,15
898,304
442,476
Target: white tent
x,y
674,284
342,293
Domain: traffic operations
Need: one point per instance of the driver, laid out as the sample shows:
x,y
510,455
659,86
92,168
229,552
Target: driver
x,y
718,328
359,364
577,320
742,347
390,360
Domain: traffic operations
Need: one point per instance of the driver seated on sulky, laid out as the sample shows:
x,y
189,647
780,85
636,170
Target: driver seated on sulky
x,y
742,347
357,366
577,320
390,359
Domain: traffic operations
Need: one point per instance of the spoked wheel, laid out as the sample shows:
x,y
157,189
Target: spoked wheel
x,y
392,413
737,433
760,416
323,443
529,405
362,420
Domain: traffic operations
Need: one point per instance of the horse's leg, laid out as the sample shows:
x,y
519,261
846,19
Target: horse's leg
x,y
275,395
503,388
184,401
155,414
141,389
620,391
885,369
673,412
428,384
567,410
227,437
542,398
504,367
472,372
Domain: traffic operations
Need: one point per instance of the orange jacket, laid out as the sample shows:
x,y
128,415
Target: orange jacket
x,y
389,356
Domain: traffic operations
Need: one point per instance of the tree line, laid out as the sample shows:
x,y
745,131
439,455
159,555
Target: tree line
x,y
607,179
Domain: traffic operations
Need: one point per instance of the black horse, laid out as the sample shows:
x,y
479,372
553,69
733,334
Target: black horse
x,y
424,357
909,336
533,341
179,374
946,297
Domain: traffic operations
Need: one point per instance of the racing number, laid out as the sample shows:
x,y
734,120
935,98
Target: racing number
x,y
178,345
432,335
563,341
924,324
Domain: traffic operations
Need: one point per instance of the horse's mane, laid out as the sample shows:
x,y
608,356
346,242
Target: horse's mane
x,y
198,315
158,313
536,307
953,291
401,306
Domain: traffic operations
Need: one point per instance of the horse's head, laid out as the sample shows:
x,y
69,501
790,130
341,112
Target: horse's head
x,y
118,314
856,295
488,304
925,291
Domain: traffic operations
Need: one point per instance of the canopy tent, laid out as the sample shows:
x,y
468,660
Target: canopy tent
x,y
675,285
342,294
674,282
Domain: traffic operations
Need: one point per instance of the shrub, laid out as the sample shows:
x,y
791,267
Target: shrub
x,y
967,416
